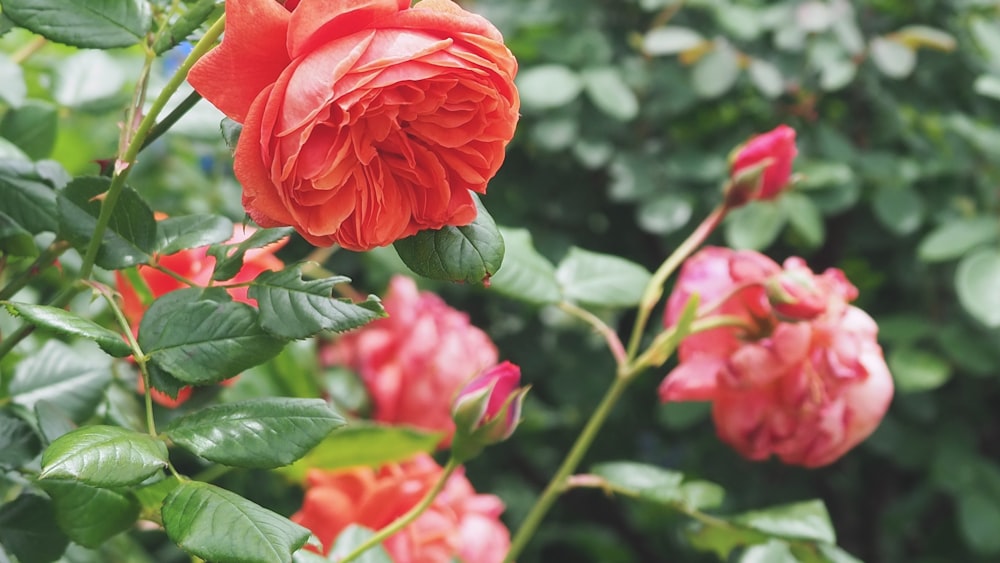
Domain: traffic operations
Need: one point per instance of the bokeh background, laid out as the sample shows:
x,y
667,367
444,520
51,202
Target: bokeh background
x,y
629,110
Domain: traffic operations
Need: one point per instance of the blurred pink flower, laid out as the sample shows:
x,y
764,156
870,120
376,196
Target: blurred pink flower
x,y
459,523
415,361
805,391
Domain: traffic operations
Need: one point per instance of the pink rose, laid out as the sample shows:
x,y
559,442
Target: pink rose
x,y
805,391
772,152
364,121
459,523
415,361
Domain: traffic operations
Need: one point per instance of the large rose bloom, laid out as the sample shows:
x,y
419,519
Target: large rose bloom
x,y
459,523
196,266
806,391
415,361
364,121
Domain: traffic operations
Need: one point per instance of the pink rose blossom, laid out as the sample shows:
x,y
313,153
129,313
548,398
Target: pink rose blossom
x,y
805,391
415,361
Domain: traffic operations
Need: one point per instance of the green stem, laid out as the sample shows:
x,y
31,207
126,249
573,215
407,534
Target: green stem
x,y
44,260
173,117
569,465
654,289
126,160
610,336
411,515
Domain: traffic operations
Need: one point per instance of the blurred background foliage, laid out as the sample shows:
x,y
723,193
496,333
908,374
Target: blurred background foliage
x,y
629,110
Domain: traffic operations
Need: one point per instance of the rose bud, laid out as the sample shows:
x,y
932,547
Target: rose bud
x,y
487,410
762,167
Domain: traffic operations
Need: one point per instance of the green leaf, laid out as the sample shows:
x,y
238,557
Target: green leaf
x,y
230,132
609,92
647,481
130,235
28,529
664,214
837,73
954,238
804,218
32,127
525,275
292,308
27,198
774,551
986,31
223,527
722,539
13,89
201,342
91,515
977,282
350,539
671,40
19,443
90,80
601,279
229,257
53,421
186,24
103,456
979,520
71,324
901,210
15,240
364,444
470,254
754,226
807,520
987,85
174,234
715,73
893,58
548,86
767,78
261,433
94,24
58,374
917,370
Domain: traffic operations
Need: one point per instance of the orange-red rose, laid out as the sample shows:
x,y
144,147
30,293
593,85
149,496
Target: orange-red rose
x,y
364,121
460,524
195,265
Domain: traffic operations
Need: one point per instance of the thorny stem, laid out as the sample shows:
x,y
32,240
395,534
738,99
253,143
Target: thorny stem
x,y
126,160
411,515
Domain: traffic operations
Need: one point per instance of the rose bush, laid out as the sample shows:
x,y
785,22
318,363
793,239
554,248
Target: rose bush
x,y
805,391
459,523
194,265
415,361
363,122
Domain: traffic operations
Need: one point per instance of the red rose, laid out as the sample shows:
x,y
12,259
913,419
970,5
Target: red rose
x,y
460,525
364,121
805,391
771,154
